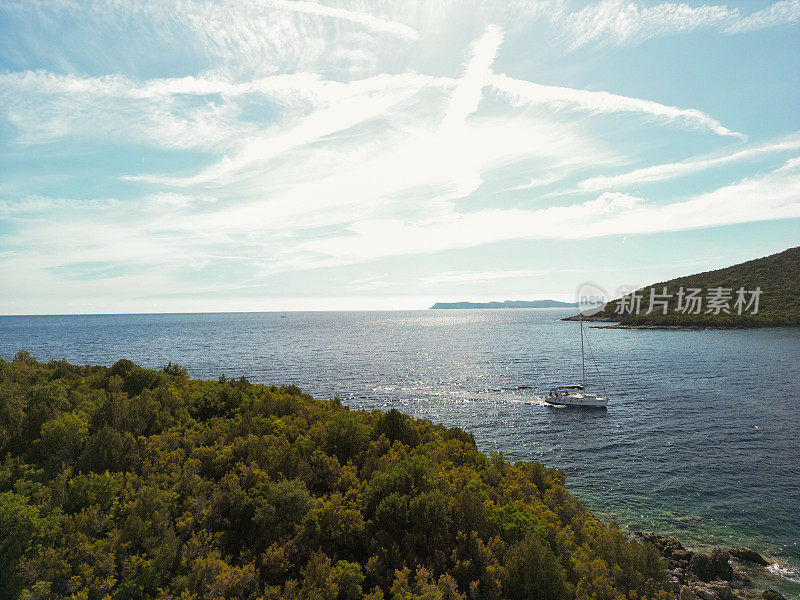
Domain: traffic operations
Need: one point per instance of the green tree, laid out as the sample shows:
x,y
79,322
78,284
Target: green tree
x,y
346,435
397,427
533,572
62,438
21,527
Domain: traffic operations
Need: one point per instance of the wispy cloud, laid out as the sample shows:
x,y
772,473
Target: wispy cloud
x,y
626,21
478,73
442,279
368,20
777,195
779,14
184,112
45,106
535,182
42,204
451,277
563,98
337,113
245,38
667,171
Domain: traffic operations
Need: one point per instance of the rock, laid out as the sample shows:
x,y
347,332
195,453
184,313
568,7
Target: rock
x,y
675,584
719,561
704,593
677,573
676,578
701,566
742,577
716,590
671,545
665,544
687,594
722,589
698,576
745,554
682,555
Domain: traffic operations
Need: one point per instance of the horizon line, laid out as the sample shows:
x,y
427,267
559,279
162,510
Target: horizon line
x,y
252,312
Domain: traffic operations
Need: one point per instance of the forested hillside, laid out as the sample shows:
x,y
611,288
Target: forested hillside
x,y
777,277
126,482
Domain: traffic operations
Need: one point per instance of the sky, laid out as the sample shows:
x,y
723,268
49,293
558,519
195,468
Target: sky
x,y
193,156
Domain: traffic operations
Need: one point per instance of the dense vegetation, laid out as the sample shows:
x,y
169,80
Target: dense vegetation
x,y
127,482
777,275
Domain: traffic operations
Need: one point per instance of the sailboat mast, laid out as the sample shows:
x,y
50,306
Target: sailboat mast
x,y
583,362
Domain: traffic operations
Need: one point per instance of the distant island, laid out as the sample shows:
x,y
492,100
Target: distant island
x,y
775,278
506,304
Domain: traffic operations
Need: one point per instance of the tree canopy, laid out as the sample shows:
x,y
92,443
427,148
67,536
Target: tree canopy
x,y
127,483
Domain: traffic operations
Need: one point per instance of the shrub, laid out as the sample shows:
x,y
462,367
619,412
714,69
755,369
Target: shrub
x,y
133,483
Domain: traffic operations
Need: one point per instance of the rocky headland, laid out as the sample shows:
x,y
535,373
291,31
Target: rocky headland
x,y
776,279
721,574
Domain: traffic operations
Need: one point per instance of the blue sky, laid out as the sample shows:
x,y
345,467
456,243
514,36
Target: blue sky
x,y
160,156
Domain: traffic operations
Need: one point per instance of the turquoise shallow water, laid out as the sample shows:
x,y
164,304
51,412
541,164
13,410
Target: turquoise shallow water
x,y
701,439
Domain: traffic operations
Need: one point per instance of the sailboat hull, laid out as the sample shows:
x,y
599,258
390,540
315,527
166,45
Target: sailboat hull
x,y
580,400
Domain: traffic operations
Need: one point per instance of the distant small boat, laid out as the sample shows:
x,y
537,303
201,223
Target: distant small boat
x,y
576,395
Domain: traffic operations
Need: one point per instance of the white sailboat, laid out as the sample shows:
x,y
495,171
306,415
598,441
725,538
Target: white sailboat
x,y
576,395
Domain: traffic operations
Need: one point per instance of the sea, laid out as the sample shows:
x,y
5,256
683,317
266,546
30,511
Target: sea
x,y
700,440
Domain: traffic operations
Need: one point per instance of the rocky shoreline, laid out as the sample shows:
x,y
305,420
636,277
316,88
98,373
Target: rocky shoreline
x,y
587,318
617,325
667,327
718,575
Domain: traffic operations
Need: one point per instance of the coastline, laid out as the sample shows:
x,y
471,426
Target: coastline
x,y
748,585
219,472
735,573
667,327
750,579
615,324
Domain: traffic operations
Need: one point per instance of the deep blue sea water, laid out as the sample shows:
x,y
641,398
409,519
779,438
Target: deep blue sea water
x,y
701,438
